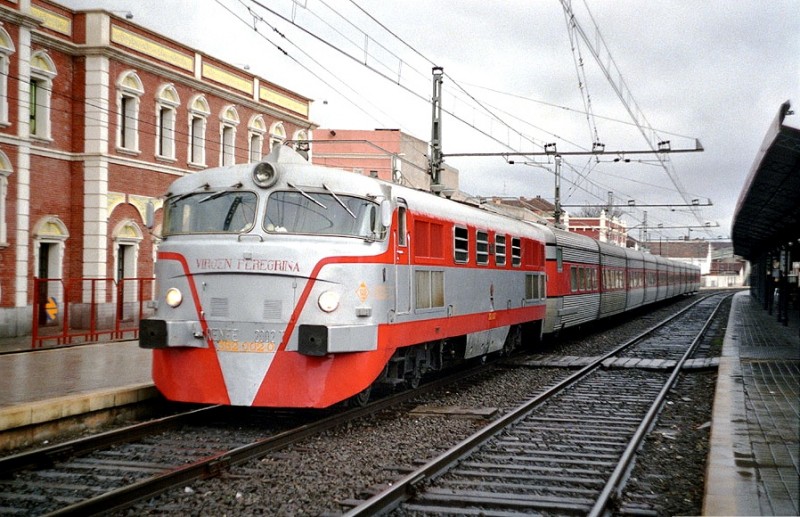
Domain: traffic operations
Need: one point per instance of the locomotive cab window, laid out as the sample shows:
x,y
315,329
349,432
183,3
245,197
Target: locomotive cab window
x,y
323,213
223,211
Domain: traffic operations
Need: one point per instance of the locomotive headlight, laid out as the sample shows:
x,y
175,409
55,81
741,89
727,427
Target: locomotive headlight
x,y
265,175
328,301
173,297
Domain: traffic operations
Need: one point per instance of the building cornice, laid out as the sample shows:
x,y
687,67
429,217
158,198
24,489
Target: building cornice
x,y
76,50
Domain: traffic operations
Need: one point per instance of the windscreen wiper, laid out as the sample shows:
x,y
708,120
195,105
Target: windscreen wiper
x,y
339,201
215,195
302,193
204,186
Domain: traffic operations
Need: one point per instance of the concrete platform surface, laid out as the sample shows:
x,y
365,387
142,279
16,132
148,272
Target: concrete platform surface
x,y
753,466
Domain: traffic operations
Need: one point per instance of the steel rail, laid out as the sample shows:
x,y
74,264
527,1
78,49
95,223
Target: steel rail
x,y
405,488
47,456
216,464
614,485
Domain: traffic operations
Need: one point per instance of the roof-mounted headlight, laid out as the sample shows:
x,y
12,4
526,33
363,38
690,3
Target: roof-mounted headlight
x,y
265,175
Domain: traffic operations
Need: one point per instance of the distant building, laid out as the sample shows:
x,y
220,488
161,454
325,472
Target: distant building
x,y
387,154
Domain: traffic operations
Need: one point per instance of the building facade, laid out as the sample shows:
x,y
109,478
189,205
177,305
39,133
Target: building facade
x,y
97,117
387,154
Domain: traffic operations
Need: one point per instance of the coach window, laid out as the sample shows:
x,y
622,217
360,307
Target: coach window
x,y
500,250
256,129
229,120
198,115
129,93
481,247
559,259
460,244
516,252
167,102
573,278
43,71
6,49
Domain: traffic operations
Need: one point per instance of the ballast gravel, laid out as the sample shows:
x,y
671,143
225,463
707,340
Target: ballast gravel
x,y
321,474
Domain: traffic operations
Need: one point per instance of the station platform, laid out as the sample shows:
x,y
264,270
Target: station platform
x,y
753,466
47,391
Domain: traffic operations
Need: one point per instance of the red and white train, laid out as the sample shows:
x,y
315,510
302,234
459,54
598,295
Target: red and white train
x,y
285,284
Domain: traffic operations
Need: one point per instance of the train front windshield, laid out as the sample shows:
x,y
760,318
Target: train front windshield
x,y
210,212
322,213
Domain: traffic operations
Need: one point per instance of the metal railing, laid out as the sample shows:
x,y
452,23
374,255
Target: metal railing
x,y
84,310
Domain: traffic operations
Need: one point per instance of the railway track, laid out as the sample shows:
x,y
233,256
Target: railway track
x,y
567,450
118,468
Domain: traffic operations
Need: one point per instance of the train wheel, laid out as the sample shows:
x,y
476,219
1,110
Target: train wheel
x,y
360,399
414,379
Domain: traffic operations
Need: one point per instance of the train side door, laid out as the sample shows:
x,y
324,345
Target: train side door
x,y
402,261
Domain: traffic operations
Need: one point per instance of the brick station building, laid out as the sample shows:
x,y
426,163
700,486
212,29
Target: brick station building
x,y
97,117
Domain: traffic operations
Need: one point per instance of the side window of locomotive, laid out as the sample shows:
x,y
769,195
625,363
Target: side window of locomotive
x,y
516,252
402,225
460,244
214,212
429,289
500,250
559,259
481,247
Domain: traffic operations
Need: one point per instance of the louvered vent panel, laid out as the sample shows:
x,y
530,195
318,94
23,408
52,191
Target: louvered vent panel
x,y
219,308
273,309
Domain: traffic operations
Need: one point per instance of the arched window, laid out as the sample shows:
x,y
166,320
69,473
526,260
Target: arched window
x,y
43,71
256,129
229,119
167,102
5,172
127,235
277,135
301,144
198,116
129,92
6,49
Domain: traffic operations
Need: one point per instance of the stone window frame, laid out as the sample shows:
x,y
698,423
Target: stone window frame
x,y
167,102
228,122
129,97
43,72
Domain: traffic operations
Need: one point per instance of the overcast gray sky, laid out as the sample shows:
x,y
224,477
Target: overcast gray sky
x,y
716,71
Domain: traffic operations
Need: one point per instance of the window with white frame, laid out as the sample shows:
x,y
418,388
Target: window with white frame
x,y
302,146
167,102
43,71
127,237
277,135
229,119
129,93
5,172
6,49
256,129
198,116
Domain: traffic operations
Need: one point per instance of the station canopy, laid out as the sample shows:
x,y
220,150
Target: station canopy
x,y
768,212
